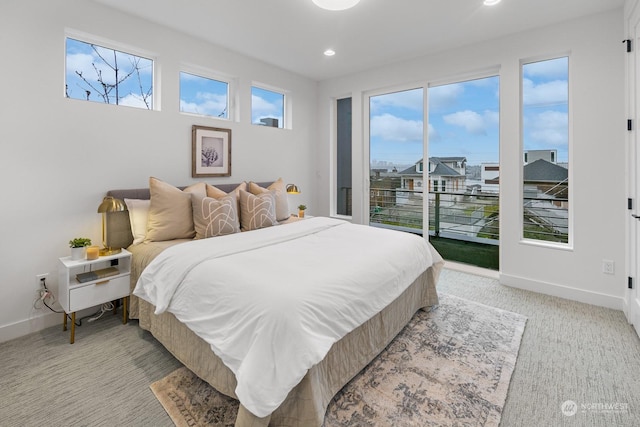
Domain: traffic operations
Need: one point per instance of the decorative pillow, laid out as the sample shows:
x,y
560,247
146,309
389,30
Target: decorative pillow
x,y
216,193
215,217
282,203
138,215
257,211
170,212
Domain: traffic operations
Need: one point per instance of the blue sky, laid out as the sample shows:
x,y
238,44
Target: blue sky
x,y
464,118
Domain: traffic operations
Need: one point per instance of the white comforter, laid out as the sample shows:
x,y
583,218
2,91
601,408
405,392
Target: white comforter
x,y
272,302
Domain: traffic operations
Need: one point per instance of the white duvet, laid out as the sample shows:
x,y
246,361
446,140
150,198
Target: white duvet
x,y
272,302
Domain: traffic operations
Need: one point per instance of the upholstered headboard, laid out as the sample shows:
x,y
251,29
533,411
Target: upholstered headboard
x,y
118,224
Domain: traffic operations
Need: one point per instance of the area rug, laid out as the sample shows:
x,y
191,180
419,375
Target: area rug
x,y
450,366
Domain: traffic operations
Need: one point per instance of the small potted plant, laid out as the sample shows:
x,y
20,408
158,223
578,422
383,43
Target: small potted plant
x,y
78,247
301,210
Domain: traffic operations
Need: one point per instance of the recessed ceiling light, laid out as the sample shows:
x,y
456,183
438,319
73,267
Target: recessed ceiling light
x,y
491,2
329,52
336,4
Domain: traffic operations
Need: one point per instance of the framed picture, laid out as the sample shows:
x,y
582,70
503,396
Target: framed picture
x,y
211,151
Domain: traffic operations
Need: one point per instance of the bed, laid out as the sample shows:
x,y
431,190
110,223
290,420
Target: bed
x,y
332,354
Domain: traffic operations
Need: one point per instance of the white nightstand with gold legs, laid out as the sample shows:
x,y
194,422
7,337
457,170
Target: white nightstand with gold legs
x,y
75,295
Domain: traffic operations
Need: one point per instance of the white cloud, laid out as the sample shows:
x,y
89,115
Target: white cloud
x,y
133,100
409,99
473,122
392,128
209,104
444,97
550,93
262,108
549,128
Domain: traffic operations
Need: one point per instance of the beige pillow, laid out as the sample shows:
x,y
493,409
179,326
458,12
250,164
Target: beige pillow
x,y
217,193
170,212
215,217
257,211
282,203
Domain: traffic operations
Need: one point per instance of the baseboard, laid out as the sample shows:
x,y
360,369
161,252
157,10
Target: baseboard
x,y
471,269
567,292
29,326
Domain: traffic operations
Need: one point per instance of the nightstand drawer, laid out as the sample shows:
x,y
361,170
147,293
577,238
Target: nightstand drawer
x,y
97,293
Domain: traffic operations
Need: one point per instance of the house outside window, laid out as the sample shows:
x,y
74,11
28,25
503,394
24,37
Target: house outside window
x,y
546,168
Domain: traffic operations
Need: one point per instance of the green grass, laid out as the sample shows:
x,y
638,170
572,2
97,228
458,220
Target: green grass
x,y
477,254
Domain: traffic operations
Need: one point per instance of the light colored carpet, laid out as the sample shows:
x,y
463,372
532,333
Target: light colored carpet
x,y
569,351
450,366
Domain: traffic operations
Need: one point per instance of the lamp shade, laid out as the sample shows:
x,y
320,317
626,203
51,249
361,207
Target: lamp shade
x,y
293,189
111,204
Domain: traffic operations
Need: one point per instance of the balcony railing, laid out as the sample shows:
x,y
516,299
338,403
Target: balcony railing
x,y
466,216
455,215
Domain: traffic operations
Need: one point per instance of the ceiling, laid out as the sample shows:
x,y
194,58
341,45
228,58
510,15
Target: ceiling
x,y
293,34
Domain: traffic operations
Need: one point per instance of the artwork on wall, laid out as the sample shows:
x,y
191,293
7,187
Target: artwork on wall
x,y
211,151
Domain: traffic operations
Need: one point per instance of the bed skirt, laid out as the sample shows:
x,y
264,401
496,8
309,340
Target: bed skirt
x,y
306,404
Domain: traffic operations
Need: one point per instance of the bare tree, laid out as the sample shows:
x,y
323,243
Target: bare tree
x,y
104,89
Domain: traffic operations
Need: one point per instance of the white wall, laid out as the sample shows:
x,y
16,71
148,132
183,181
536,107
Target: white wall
x,y
598,141
59,156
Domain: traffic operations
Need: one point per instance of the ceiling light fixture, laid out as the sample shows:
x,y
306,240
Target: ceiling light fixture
x,y
491,2
329,52
336,4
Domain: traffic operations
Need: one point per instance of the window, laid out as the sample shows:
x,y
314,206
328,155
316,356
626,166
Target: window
x,y
267,107
396,151
545,122
204,96
343,157
464,137
101,74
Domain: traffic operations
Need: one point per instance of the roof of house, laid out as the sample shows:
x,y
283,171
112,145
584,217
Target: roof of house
x,y
450,159
544,171
441,169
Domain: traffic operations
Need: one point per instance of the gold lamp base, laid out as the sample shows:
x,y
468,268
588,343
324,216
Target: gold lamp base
x,y
110,251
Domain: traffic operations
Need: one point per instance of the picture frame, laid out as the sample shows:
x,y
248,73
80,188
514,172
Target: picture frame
x,y
210,151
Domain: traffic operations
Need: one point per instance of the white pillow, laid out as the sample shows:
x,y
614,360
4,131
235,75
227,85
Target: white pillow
x,y
138,214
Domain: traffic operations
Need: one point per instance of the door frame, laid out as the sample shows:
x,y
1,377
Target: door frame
x,y
632,95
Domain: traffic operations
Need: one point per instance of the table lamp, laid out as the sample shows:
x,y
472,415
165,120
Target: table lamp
x,y
109,204
292,189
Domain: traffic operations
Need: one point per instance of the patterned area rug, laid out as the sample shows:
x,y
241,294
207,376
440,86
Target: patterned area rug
x,y
450,366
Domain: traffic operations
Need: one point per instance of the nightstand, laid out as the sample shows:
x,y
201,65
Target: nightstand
x,y
75,295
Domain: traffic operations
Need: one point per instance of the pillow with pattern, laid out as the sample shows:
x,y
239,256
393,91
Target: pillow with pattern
x,y
280,189
257,211
215,216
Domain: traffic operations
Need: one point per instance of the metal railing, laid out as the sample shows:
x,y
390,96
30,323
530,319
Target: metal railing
x,y
455,215
466,216
546,218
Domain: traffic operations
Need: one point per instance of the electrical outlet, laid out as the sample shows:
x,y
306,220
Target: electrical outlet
x,y
39,278
608,266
